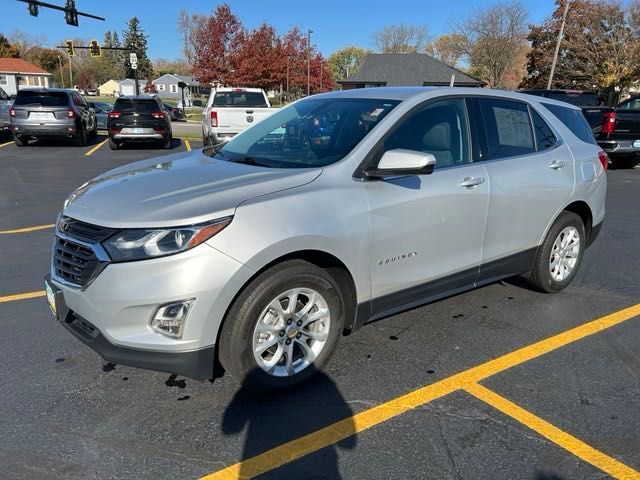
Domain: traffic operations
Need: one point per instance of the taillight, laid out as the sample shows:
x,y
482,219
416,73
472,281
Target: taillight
x,y
12,112
214,119
114,115
158,114
604,159
609,122
71,113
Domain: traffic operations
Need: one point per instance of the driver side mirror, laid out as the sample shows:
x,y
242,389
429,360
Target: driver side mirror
x,y
402,162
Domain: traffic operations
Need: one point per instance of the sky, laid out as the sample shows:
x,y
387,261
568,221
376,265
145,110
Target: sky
x,y
335,23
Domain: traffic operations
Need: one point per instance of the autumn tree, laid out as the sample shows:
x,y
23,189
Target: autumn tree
x,y
346,61
401,38
217,42
600,47
135,40
188,25
7,49
448,48
162,66
150,87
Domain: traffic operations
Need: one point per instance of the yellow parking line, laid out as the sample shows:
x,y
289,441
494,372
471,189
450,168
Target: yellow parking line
x,y
5,144
27,229
94,149
570,443
187,145
366,419
22,296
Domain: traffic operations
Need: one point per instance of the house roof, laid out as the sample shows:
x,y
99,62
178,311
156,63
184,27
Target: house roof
x,y
404,69
18,65
181,78
131,81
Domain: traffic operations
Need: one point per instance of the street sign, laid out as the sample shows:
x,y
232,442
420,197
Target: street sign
x,y
133,60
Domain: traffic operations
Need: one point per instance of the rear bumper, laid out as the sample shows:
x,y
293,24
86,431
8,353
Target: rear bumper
x,y
196,364
139,137
619,146
44,130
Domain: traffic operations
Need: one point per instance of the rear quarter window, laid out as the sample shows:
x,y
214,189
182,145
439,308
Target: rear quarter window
x,y
574,120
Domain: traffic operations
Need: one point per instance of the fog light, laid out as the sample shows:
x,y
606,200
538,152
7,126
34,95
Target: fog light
x,y
169,318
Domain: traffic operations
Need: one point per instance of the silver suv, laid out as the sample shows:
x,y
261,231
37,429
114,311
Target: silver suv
x,y
256,255
51,113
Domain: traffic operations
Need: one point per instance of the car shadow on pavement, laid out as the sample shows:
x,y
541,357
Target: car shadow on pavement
x,y
269,420
175,142
66,142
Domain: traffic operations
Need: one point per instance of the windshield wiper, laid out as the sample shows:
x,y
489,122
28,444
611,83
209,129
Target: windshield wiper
x,y
248,160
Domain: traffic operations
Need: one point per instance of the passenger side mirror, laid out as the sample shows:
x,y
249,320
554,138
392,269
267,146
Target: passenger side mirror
x,y
402,162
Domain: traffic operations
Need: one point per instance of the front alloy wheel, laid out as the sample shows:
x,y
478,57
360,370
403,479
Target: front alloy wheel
x,y
291,332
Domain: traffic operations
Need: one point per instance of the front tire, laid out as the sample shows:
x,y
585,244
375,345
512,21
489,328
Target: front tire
x,y
560,255
283,326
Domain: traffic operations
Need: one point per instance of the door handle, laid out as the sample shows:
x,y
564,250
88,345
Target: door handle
x,y
470,182
557,164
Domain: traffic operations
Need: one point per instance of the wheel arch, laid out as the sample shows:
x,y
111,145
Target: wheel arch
x,y
582,209
325,260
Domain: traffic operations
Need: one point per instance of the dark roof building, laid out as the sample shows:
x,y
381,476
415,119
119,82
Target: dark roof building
x,y
406,69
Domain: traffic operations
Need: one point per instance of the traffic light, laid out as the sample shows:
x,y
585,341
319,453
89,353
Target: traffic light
x,y
70,50
94,49
70,13
33,8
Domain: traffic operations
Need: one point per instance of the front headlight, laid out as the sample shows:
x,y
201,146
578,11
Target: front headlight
x,y
140,244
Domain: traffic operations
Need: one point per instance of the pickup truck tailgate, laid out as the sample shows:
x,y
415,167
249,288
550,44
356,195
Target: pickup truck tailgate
x,y
627,124
237,119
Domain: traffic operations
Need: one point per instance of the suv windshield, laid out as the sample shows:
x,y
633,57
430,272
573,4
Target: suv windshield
x,y
239,99
309,133
44,99
138,106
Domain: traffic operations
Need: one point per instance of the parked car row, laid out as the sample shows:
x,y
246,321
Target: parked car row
x,y
38,113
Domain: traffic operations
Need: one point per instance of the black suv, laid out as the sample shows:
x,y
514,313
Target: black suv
x,y
139,119
51,113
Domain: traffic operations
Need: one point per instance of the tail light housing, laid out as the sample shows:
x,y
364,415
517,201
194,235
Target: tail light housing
x,y
609,122
214,119
604,159
12,112
158,114
71,113
114,115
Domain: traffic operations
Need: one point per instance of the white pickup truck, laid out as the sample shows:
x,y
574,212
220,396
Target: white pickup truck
x,y
229,111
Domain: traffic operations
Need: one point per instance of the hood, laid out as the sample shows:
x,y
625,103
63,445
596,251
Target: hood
x,y
175,190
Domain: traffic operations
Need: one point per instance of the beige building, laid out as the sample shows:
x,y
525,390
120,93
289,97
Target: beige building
x,y
110,87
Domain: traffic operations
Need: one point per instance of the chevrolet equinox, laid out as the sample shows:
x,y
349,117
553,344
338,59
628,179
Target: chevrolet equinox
x,y
254,256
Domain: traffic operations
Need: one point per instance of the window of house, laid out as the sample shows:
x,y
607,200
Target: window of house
x,y
3,80
508,128
161,87
173,88
440,128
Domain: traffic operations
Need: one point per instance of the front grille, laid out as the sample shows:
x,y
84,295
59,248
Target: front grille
x,y
84,231
75,263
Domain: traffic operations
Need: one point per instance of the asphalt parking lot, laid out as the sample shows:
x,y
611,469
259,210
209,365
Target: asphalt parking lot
x,y
498,383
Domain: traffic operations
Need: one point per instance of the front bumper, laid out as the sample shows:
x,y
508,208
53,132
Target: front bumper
x,y
121,301
196,364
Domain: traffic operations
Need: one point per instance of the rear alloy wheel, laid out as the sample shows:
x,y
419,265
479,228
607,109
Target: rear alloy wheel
x,y
560,254
283,326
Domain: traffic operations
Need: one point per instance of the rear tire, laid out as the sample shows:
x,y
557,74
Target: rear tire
x,y
20,142
259,317
205,140
81,139
626,161
560,255
113,145
168,143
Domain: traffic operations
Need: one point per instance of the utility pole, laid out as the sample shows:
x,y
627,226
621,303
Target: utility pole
x,y
560,34
288,58
61,74
321,73
309,32
70,74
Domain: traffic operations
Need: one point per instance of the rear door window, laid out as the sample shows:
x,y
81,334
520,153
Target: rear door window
x,y
574,120
508,128
27,98
239,99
